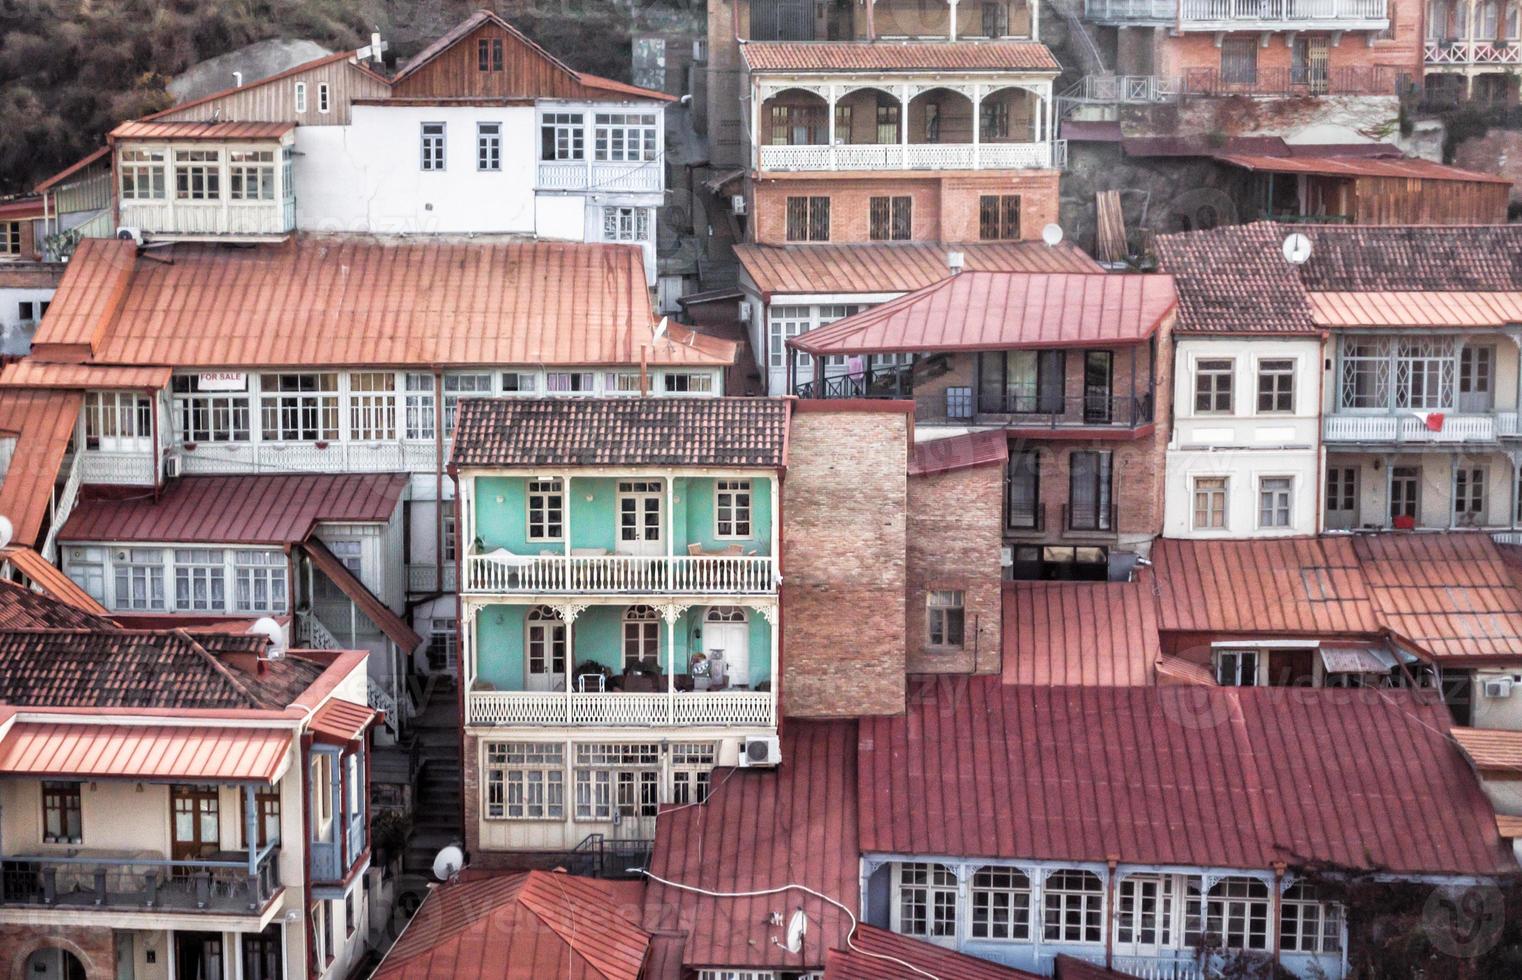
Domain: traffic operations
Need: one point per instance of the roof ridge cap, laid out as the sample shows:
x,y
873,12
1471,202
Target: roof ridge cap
x,y
218,666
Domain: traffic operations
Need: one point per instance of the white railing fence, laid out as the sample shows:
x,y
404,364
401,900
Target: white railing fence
x,y
614,708
1409,428
916,156
733,574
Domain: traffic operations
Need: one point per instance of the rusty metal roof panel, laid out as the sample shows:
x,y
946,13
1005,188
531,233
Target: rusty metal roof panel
x,y
1344,166
879,954
32,373
1386,309
182,753
958,452
1490,750
901,268
1080,633
342,721
152,129
43,422
894,56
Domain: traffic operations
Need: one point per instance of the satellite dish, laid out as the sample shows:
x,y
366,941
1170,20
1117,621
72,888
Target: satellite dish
x,y
448,863
1297,249
6,530
797,928
267,627
1052,234
660,328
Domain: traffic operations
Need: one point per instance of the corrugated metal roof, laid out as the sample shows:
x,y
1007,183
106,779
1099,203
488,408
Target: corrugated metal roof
x,y
868,268
342,721
48,579
761,828
43,422
892,56
746,432
368,602
317,301
1000,310
1190,776
178,752
1416,309
1490,750
1341,166
522,926
958,452
277,509
1279,585
878,954
148,129
31,373
1089,633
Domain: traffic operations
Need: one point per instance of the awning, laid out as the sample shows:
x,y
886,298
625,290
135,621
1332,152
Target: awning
x,y
1356,659
384,619
342,722
153,752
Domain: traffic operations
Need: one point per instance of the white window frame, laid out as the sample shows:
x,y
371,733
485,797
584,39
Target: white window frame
x,y
300,96
1309,924
468,384
1229,914
625,223
1002,891
201,169
939,606
639,631
692,766
420,408
118,421
523,781
250,174
1470,495
259,573
733,501
1210,495
544,504
316,398
324,98
925,900
1272,500
616,777
144,573
1281,384
784,321
203,571
372,406
1062,897
1237,667
143,165
568,132
625,137
210,416
489,146
432,142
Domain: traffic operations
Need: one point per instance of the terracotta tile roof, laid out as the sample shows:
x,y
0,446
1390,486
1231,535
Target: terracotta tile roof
x,y
1235,280
31,373
1088,633
93,668
761,828
338,301
342,721
519,926
833,56
148,129
48,579
958,453
1242,775
1000,310
240,509
368,602
183,753
21,608
1413,257
1490,750
1450,593
43,422
1384,310
1343,166
749,432
1278,585
878,954
867,268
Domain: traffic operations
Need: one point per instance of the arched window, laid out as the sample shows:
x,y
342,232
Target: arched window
x,y
53,963
724,614
642,635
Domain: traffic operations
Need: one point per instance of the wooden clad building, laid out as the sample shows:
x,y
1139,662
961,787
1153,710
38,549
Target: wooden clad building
x,y
1376,191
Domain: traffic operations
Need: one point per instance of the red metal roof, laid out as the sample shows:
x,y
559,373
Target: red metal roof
x,y
832,56
1089,633
1490,750
531,925
761,828
875,268
1190,776
958,453
31,373
148,129
1342,166
21,209
378,612
999,310
342,721
878,954
342,301
73,169
48,579
1387,309
183,753
43,422
1280,585
278,509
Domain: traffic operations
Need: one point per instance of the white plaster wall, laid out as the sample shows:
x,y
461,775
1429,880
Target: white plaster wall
x,y
1243,470
1503,713
13,340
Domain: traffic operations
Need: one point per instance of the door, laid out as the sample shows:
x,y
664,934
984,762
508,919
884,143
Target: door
x,y
197,956
53,963
1405,495
1476,374
726,634
639,518
1144,919
195,822
1341,497
544,651
261,954
1309,63
125,955
1098,378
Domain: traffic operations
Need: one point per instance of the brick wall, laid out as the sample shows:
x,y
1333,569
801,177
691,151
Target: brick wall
x,y
843,510
93,947
954,543
1403,53
945,205
722,123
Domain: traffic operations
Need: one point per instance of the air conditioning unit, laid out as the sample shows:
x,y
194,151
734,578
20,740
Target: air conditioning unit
x,y
1006,557
130,234
737,203
760,750
171,467
1499,687
744,312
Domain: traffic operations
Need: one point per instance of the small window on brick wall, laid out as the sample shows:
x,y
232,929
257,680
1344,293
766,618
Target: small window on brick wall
x,y
889,218
808,219
946,616
999,217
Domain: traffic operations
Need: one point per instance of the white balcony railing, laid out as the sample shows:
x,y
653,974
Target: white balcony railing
x,y
130,469
1472,53
210,217
307,457
704,574
580,175
617,709
1330,13
1410,429
917,156
1131,11
423,576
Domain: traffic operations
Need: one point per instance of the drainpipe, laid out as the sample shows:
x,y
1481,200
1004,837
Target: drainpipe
x,y
158,455
1321,359
304,761
1111,863
438,486
1278,897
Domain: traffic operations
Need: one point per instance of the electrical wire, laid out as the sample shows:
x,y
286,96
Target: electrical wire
x,y
850,944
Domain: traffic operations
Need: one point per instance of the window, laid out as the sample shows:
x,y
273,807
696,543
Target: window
x,y
61,823
945,617
251,175
1144,911
1469,495
1023,382
1236,668
999,217
620,224
350,918
784,323
995,19
691,769
324,100
887,120
570,382
301,96
561,136
546,510
259,581
731,508
1001,904
209,416
197,175
457,386
1209,503
432,146
419,406
489,146
1307,924
1074,906
993,120
1237,914
518,383
808,219
1089,502
1022,491
1399,373
622,779
200,580
623,136
319,916
1276,386
797,125
117,420
444,645
1476,371
142,175
1405,492
139,579
1239,60
298,407
1342,488
642,635
678,382
489,54
266,816
372,406
525,781
87,567
888,218
1212,386
1275,495
927,900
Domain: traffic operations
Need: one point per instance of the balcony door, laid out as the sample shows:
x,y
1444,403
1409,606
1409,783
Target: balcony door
x,y
639,518
544,650
1022,382
197,956
195,819
1098,386
726,634
1476,379
1309,63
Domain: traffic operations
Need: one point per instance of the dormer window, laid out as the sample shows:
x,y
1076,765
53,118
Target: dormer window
x,y
489,54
